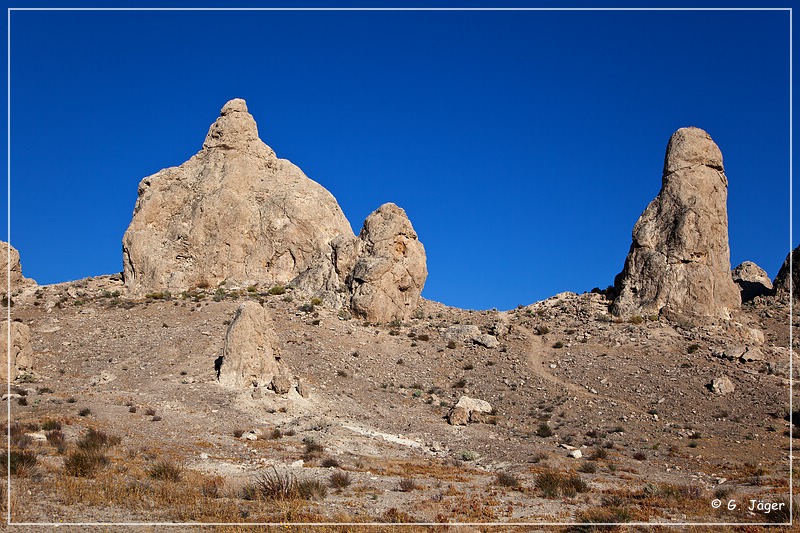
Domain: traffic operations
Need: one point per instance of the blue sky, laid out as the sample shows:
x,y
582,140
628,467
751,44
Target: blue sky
x,y
523,145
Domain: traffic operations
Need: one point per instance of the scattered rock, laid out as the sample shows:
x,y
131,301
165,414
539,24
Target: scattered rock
x,y
752,281
679,263
486,340
461,333
234,212
20,354
575,454
102,379
782,280
722,386
390,271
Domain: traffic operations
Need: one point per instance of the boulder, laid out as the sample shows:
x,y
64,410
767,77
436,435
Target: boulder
x,y
752,281
390,270
234,212
20,353
251,357
679,262
11,271
470,333
468,410
783,278
722,386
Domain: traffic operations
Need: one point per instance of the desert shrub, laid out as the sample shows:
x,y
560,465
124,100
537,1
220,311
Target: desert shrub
x,y
313,449
238,432
277,290
599,453
393,516
307,308
96,439
339,480
56,438
20,461
602,515
276,486
636,319
23,401
84,463
50,424
507,480
544,430
316,301
692,348
165,470
558,344
275,434
640,455
330,462
451,344
150,411
588,468
311,489
423,337
85,412
466,455
132,409
552,484
407,484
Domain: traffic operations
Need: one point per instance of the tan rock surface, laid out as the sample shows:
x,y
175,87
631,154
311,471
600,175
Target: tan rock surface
x,y
251,357
752,280
782,279
20,355
234,212
11,265
679,262
389,274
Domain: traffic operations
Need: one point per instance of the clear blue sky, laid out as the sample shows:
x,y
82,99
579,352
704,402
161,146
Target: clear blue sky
x,y
522,145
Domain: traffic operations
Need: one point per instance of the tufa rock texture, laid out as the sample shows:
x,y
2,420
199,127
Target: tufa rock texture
x,y
752,281
390,271
251,357
234,212
11,270
679,263
783,278
20,352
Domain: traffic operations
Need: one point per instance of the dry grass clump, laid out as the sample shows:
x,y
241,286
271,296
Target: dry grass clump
x,y
84,463
339,480
285,486
20,461
165,470
552,484
407,485
95,439
507,480
313,449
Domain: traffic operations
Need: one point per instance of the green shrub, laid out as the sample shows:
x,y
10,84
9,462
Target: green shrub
x,y
277,290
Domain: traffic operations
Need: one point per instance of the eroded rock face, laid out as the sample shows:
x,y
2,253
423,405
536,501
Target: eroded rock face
x,y
21,354
234,212
390,271
782,279
679,263
752,280
251,357
11,263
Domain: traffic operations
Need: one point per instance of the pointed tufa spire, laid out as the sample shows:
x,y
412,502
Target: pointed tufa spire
x,y
679,262
236,129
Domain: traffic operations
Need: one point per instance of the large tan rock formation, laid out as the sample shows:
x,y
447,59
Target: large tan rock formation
x,y
752,280
20,354
390,271
234,212
251,357
11,270
679,263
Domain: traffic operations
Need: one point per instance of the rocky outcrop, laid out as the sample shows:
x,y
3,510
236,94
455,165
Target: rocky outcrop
x,y
11,270
20,352
251,357
468,410
679,263
752,281
390,269
234,212
781,284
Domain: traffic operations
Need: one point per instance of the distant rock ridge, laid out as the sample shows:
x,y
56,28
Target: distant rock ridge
x,y
236,213
679,262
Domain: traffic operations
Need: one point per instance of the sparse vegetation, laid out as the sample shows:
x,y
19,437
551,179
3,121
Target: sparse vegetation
x,y
544,430
407,485
339,480
165,470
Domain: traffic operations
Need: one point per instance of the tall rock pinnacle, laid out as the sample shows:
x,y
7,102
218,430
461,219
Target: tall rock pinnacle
x,y
679,262
234,212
